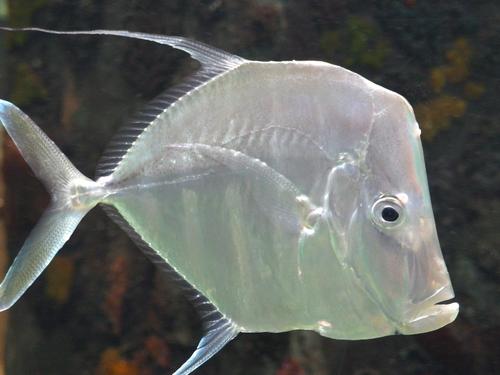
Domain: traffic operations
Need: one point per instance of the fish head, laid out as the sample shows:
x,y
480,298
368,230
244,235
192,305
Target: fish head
x,y
391,242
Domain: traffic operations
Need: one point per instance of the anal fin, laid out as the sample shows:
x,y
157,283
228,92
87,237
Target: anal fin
x,y
218,329
222,331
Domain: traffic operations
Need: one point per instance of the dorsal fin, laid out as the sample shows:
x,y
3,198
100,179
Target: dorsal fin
x,y
124,138
207,55
213,62
218,329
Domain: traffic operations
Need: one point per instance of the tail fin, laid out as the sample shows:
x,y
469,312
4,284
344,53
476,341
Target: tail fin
x,y
66,185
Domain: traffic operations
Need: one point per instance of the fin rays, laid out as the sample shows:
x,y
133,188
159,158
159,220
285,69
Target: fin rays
x,y
61,178
219,330
59,221
48,163
125,138
209,345
213,61
205,54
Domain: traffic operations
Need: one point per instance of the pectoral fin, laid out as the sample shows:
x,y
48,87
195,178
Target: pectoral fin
x,y
275,195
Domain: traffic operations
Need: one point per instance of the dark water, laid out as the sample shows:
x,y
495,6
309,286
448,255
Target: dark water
x,y
102,308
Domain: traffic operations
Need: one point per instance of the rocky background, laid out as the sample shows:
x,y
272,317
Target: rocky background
x,y
101,308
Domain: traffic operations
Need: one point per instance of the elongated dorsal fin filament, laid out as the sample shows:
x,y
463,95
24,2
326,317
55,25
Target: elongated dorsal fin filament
x,y
205,54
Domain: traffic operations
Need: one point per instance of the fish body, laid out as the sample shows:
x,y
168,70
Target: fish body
x,y
281,195
228,215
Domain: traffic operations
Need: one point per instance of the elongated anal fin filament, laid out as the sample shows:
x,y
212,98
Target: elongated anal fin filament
x,y
214,340
219,329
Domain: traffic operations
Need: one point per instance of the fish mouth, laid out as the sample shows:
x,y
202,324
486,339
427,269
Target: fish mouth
x,y
432,313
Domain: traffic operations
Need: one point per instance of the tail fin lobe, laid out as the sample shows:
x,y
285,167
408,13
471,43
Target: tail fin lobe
x,y
48,163
63,181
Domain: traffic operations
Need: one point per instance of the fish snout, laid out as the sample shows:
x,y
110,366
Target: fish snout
x,y
429,280
430,286
430,314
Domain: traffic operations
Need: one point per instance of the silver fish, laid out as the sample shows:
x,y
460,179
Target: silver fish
x,y
282,195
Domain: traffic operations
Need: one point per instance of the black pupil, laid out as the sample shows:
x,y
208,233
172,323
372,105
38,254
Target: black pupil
x,y
389,214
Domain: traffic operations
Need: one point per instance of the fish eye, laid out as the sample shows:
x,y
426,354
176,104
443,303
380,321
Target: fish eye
x,y
390,214
387,211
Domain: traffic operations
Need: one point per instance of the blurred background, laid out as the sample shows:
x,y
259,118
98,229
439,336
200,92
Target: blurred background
x,y
101,307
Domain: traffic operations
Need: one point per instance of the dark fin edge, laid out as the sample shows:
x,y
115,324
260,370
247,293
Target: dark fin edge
x,y
218,329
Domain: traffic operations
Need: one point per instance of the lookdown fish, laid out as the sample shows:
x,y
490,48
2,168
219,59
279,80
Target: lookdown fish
x,y
281,195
